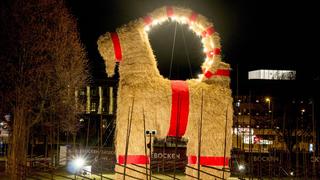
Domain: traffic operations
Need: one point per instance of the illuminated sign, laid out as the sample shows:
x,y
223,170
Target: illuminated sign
x,y
272,74
243,131
255,140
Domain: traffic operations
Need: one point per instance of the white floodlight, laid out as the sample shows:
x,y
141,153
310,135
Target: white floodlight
x,y
242,167
78,163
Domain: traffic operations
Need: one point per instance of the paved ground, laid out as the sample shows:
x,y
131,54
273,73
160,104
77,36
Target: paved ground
x,y
62,175
46,176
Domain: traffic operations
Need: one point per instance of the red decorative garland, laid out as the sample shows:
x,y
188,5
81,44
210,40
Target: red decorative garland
x,y
215,51
208,32
147,20
193,16
169,11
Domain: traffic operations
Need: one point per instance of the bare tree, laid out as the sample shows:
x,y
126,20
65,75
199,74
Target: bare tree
x,y
42,63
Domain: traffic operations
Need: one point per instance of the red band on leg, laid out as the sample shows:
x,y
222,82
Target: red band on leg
x,y
133,159
209,160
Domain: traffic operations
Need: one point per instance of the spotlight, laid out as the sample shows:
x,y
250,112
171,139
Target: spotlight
x,y
147,28
242,167
78,163
152,132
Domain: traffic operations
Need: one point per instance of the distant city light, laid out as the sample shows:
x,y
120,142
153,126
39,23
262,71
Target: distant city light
x,y
272,74
243,131
310,147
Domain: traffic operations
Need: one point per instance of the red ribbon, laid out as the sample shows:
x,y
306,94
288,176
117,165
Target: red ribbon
x,y
208,32
219,72
193,16
169,11
133,159
147,20
215,51
179,108
209,160
116,46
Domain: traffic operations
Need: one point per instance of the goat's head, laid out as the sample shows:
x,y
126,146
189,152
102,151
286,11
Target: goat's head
x,y
115,46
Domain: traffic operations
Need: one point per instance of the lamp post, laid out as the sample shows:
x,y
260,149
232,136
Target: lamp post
x,y
268,100
150,133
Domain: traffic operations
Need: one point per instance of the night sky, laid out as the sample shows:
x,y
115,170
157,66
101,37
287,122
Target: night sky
x,y
254,34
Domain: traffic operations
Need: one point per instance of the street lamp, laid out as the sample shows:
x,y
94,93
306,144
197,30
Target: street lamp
x,y
150,133
268,100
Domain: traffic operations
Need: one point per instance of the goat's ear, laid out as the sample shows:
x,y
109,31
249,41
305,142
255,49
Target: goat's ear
x,y
106,49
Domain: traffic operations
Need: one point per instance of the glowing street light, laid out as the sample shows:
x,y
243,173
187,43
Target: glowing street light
x,y
292,173
268,100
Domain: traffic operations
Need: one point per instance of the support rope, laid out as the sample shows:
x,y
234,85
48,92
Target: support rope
x,y
187,52
172,51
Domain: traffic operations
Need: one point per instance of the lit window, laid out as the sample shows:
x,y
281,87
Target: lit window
x,y
93,107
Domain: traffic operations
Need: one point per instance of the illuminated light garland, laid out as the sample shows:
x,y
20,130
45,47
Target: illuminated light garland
x,y
147,28
199,25
210,63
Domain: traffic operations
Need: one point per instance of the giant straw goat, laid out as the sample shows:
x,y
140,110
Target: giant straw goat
x,y
197,109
